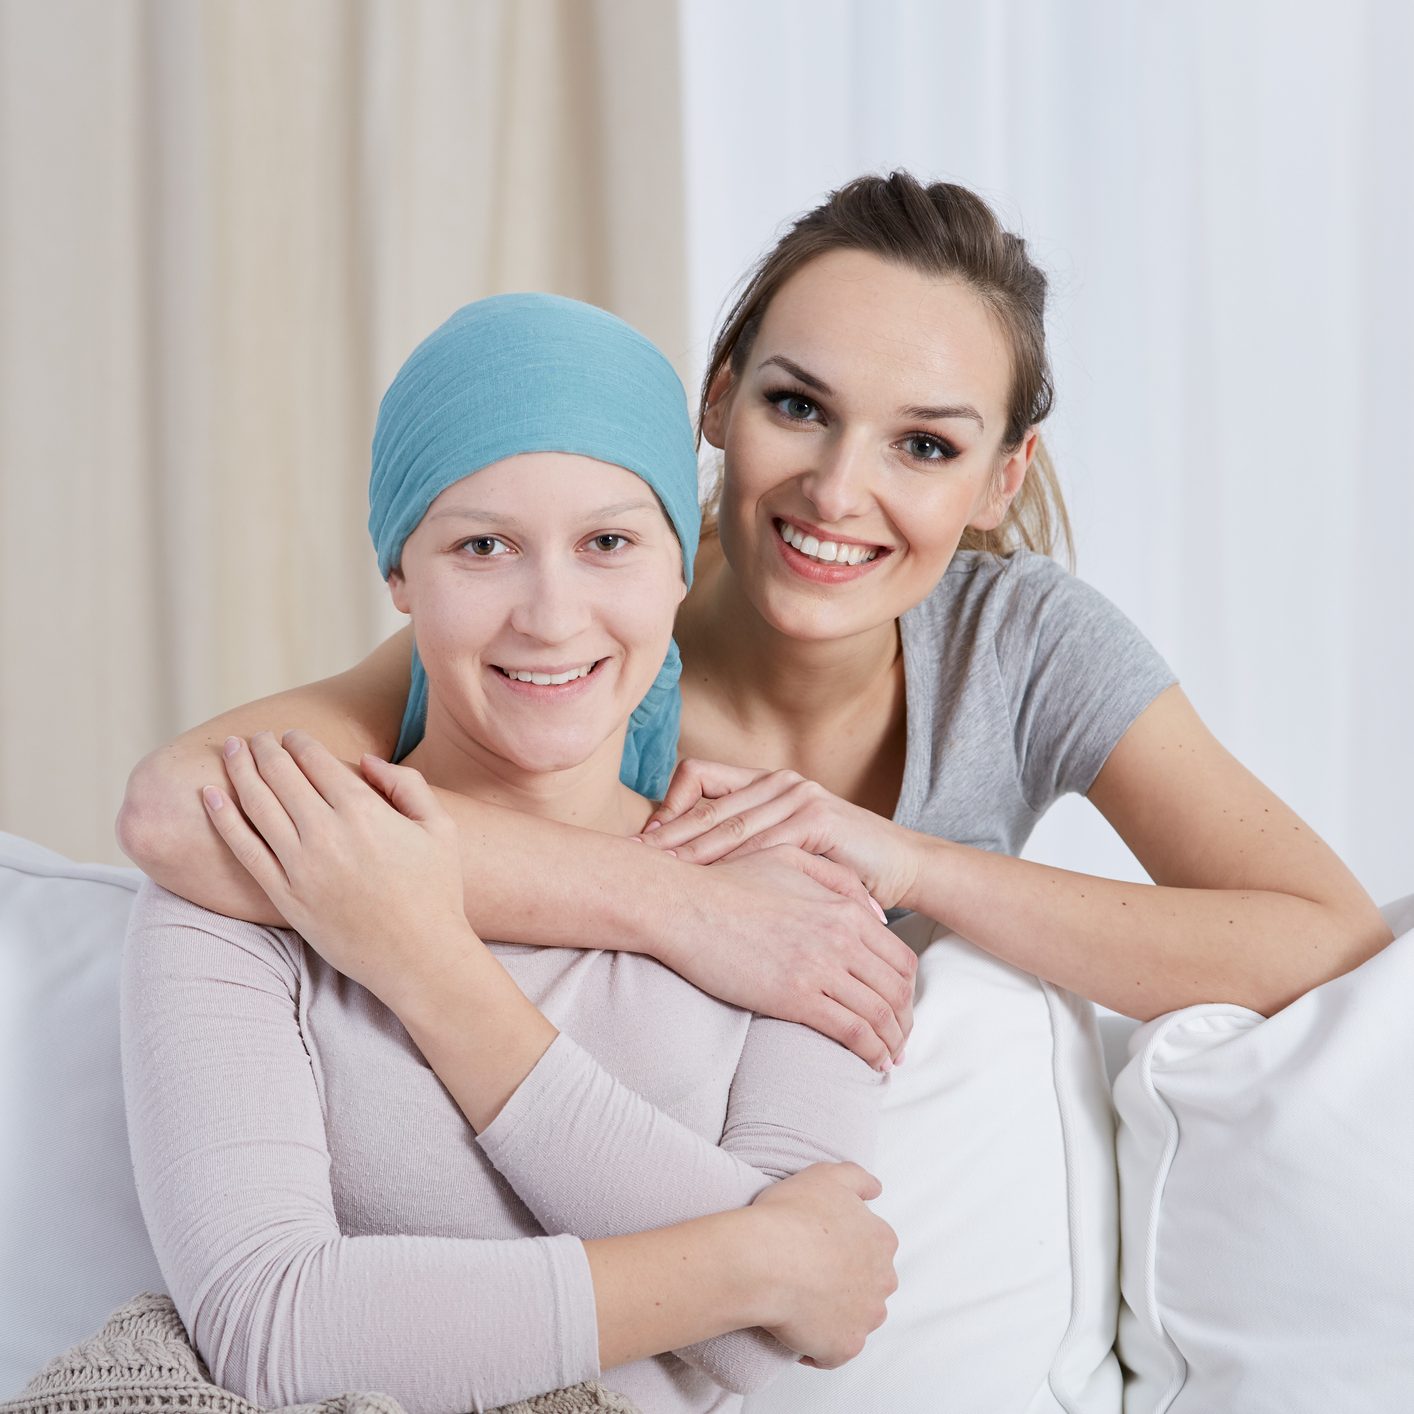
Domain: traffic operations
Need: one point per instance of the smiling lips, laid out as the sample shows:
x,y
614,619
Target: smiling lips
x,y
559,678
825,561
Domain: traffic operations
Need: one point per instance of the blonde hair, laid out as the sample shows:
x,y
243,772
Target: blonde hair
x,y
938,229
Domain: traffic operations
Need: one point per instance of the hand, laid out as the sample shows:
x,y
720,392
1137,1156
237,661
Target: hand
x,y
367,870
832,1260
796,937
713,811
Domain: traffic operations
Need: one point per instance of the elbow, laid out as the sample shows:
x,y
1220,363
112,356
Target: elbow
x,y
250,1322
743,1362
149,826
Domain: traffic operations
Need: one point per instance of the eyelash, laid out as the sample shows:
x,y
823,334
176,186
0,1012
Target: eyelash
x,y
496,539
776,396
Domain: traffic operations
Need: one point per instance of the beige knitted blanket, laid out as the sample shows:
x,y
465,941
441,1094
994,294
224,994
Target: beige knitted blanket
x,y
142,1362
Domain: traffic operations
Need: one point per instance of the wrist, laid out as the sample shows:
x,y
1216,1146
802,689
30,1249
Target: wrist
x,y
764,1292
675,910
933,867
448,954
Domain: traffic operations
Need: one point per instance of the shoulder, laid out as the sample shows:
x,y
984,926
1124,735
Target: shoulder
x,y
170,932
1023,603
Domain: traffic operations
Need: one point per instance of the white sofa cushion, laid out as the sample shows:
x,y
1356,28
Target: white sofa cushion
x,y
996,1154
1267,1215
72,1241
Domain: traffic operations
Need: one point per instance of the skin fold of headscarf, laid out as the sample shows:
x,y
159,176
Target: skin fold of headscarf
x,y
537,373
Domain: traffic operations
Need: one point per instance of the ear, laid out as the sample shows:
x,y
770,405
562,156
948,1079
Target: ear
x,y
1006,484
714,415
398,588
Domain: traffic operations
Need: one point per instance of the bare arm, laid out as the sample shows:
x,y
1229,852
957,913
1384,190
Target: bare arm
x,y
163,827
786,936
1248,905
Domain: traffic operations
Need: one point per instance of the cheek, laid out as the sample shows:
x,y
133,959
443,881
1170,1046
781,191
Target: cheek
x,y
453,621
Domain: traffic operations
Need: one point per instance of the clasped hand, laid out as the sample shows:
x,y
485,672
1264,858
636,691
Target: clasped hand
x,y
366,869
715,812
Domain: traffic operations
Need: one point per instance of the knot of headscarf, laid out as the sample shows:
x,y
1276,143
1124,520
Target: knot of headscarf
x,y
537,373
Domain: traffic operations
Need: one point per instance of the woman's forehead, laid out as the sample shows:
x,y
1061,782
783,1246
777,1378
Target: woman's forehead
x,y
857,321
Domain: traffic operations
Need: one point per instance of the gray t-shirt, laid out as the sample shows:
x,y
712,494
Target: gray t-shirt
x,y
1020,680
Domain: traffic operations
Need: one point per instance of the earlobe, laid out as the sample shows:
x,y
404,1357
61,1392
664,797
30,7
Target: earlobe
x,y
714,415
1008,483
398,589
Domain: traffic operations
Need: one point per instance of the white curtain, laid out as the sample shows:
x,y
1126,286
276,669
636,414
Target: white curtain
x,y
1223,195
224,226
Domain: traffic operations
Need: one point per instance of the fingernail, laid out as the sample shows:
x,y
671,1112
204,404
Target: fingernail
x,y
652,825
899,1061
637,839
887,1065
233,745
213,798
673,852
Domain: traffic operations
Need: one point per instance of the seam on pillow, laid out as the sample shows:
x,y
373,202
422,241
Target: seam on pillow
x,y
71,870
1072,1220
1151,1239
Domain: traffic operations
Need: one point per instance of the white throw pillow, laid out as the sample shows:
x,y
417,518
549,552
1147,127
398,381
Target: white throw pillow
x,y
72,1241
1267,1212
996,1154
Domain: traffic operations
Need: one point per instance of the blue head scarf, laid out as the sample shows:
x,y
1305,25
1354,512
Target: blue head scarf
x,y
537,373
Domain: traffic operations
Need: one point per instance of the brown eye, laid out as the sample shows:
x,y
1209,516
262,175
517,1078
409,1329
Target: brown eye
x,y
485,547
609,543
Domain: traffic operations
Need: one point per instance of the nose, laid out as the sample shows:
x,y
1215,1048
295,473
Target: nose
x,y
554,608
838,483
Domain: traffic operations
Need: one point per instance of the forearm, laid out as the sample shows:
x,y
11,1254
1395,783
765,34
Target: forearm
x,y
530,880
677,1286
1139,949
526,880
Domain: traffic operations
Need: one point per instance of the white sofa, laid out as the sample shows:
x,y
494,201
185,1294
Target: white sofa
x,y
1254,1209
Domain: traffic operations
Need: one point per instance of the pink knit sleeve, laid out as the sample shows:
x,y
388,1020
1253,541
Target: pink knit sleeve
x,y
622,1165
232,1167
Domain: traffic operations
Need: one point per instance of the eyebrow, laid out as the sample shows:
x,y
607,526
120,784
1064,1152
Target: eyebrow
x,y
923,414
495,518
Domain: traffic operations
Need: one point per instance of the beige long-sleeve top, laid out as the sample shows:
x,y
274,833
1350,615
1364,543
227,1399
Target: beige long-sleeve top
x,y
327,1220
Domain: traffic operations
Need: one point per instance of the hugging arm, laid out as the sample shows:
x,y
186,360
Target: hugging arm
x,y
233,1172
623,1164
787,934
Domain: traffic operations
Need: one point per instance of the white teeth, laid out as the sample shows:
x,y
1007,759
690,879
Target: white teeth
x,y
548,679
826,551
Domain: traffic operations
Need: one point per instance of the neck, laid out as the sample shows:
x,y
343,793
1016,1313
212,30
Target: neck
x,y
588,794
804,685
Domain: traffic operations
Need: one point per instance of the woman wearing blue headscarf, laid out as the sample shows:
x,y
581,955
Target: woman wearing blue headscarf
x,y
376,1152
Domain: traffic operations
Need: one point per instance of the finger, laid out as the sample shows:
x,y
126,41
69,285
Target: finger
x,y
849,1028
259,803
404,787
336,781
852,1176
694,779
740,819
292,788
711,810
838,878
867,1004
893,990
251,852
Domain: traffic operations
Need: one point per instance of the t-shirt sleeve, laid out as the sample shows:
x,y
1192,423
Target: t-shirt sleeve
x,y
232,1166
623,1165
1077,673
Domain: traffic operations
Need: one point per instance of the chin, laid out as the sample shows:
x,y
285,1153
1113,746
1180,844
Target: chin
x,y
544,756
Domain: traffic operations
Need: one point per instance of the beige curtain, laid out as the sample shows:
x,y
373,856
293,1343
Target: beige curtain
x,y
224,226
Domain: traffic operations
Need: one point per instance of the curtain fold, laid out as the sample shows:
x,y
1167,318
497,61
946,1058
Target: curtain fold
x,y
225,227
